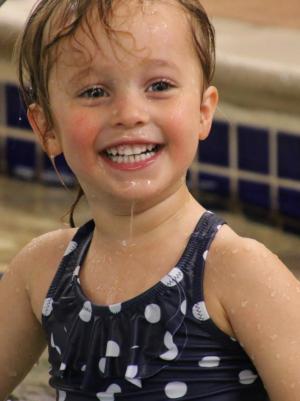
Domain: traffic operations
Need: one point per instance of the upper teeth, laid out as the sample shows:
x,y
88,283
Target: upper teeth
x,y
129,150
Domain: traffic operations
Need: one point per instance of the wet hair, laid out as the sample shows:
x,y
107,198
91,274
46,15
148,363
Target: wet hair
x,y
52,21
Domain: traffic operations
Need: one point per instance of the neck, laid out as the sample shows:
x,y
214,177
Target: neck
x,y
138,226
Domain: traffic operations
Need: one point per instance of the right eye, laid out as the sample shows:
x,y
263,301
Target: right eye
x,y
94,93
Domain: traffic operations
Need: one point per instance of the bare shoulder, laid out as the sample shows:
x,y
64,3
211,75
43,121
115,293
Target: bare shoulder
x,y
245,260
261,300
36,264
22,292
243,265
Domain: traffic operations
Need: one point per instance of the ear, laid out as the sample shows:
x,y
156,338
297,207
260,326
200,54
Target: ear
x,y
207,109
46,136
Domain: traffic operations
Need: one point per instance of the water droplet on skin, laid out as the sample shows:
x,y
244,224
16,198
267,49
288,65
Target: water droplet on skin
x,y
273,293
244,304
273,337
234,251
277,356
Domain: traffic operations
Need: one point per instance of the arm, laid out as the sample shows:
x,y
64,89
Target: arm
x,y
262,300
21,338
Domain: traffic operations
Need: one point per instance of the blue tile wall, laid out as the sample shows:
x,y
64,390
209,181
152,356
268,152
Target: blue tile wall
x,y
253,149
288,156
255,193
49,174
215,149
15,111
213,183
289,202
21,158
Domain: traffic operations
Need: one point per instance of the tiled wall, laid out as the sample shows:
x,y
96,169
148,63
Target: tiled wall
x,y
247,165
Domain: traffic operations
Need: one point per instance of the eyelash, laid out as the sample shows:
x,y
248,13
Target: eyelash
x,y
90,93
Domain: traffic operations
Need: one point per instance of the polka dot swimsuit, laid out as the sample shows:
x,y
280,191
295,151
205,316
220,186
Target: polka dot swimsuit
x,y
160,345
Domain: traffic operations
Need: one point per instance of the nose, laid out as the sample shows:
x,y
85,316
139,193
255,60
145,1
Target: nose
x,y
130,110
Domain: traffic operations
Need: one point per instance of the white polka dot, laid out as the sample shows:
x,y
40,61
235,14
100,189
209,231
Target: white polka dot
x,y
219,226
172,352
183,307
109,394
62,367
209,362
47,307
200,312
53,345
102,364
86,312
76,271
233,339
175,276
175,390
247,377
112,349
135,382
115,308
62,395
152,313
131,371
83,368
205,255
70,248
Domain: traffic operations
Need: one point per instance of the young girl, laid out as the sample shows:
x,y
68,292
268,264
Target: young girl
x,y
155,298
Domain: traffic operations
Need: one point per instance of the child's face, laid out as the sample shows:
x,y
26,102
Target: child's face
x,y
144,92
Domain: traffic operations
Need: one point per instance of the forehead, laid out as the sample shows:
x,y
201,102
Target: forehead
x,y
137,29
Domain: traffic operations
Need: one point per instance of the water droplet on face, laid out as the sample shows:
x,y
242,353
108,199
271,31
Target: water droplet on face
x,y
273,337
244,304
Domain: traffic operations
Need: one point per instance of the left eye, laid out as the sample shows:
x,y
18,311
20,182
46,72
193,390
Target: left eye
x,y
94,92
161,86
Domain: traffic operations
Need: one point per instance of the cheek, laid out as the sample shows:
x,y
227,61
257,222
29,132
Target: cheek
x,y
184,121
77,131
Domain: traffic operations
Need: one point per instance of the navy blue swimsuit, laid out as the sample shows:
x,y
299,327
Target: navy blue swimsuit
x,y
160,345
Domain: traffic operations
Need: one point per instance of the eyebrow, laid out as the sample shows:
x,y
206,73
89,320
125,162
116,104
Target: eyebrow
x,y
80,74
146,61
160,62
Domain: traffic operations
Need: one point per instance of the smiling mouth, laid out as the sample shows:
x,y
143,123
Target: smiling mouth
x,y
130,154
